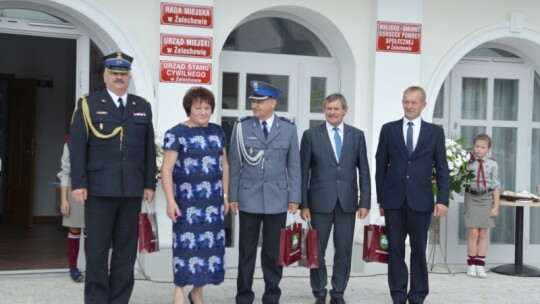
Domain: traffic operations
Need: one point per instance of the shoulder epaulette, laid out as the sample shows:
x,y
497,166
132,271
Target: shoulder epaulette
x,y
240,119
85,96
287,120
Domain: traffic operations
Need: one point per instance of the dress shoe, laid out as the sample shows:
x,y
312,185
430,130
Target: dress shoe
x,y
320,300
337,301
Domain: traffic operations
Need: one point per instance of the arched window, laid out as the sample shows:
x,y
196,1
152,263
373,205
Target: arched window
x,y
275,36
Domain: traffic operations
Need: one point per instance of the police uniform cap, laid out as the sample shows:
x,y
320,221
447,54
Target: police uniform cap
x,y
118,62
262,90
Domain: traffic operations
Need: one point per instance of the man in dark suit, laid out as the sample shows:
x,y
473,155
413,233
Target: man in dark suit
x,y
408,150
264,184
113,164
334,166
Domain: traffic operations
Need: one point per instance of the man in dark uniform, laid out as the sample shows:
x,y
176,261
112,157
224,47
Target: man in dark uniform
x,y
264,164
113,164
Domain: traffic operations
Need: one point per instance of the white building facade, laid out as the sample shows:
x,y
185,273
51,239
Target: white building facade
x,y
478,61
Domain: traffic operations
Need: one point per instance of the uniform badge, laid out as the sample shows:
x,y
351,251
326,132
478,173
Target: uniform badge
x,y
101,126
103,101
139,114
102,112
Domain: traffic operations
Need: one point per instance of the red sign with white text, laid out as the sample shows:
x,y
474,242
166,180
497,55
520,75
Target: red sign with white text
x,y
186,15
185,72
186,46
398,37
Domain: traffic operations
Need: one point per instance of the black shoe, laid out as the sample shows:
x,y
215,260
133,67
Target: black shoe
x,y
337,301
320,300
189,298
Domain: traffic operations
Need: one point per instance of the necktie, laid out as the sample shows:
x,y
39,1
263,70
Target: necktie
x,y
481,175
265,128
410,137
121,106
337,141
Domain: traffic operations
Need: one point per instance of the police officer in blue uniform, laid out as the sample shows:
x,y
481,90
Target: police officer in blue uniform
x,y
113,164
264,184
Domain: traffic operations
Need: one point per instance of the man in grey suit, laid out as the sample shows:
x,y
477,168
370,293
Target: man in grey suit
x,y
264,164
334,166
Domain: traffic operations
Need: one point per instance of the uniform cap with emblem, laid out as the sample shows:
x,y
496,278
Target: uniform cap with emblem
x,y
118,62
262,90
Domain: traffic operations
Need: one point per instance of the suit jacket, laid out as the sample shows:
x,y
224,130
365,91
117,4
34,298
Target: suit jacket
x,y
121,166
326,179
402,177
266,189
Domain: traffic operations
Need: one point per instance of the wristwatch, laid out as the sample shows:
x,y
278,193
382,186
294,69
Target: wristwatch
x,y
226,195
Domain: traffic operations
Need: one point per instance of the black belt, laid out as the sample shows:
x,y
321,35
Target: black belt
x,y
474,192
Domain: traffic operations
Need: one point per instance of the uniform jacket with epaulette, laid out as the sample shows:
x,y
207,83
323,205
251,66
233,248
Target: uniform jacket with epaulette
x,y
122,166
265,190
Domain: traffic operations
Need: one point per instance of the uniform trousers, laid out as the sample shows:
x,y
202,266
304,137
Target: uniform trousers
x,y
110,221
250,227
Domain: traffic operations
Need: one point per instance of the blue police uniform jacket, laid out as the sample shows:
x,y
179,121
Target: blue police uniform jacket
x,y
268,186
122,165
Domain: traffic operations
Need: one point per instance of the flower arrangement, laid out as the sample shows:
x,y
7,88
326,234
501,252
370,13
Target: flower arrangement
x,y
457,158
159,156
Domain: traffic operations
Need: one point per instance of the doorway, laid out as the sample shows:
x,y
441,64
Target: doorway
x,y
492,91
37,102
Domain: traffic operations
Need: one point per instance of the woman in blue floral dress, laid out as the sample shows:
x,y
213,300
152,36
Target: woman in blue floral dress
x,y
194,174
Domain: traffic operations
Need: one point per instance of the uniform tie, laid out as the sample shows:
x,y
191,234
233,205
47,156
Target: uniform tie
x,y
121,106
265,129
480,174
337,141
410,137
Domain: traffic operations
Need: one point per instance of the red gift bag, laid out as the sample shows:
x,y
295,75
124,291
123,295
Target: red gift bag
x,y
290,240
148,231
309,252
375,244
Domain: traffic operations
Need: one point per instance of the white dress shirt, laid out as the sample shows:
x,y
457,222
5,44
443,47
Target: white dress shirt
x,y
416,129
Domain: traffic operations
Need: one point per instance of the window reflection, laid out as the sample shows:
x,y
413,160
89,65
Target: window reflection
x,y
317,94
505,99
229,97
474,98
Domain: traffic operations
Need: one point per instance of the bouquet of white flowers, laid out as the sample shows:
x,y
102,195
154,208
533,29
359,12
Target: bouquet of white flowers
x,y
457,158
159,155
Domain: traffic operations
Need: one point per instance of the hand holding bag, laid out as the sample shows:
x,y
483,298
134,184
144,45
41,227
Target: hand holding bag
x,y
290,240
309,249
148,231
375,244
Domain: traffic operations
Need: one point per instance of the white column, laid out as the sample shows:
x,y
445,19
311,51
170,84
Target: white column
x,y
393,72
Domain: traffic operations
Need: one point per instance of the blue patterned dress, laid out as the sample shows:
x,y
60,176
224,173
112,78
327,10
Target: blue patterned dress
x,y
199,233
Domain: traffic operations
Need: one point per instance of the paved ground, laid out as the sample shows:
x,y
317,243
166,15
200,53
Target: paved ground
x,y
56,287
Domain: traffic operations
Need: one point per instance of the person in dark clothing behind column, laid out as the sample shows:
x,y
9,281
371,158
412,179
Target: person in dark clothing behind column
x,y
113,164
